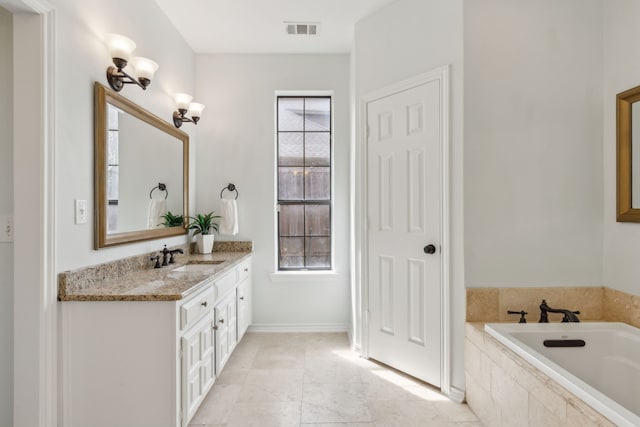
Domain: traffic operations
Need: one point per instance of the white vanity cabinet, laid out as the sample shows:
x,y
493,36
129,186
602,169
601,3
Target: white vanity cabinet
x,y
149,363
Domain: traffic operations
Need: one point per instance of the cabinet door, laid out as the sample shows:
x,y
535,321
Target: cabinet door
x,y
197,365
225,324
207,363
232,312
244,297
222,342
242,309
191,384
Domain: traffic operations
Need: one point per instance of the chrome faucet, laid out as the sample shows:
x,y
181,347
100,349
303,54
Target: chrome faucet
x,y
569,316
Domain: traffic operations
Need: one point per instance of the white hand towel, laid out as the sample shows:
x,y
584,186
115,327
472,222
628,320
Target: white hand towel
x,y
229,221
157,208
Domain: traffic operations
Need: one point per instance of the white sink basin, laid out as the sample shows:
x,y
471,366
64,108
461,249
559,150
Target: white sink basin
x,y
197,266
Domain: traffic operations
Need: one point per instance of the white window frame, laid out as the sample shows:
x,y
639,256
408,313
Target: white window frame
x,y
307,275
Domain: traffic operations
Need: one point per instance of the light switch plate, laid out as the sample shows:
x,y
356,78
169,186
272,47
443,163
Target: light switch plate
x,y
6,228
81,212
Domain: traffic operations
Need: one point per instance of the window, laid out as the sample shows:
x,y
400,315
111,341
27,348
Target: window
x,y
304,183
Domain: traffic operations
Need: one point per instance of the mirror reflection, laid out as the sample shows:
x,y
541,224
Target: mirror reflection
x,y
144,174
141,173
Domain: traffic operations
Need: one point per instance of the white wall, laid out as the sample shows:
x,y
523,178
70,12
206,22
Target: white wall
x,y
237,145
404,39
6,207
82,58
621,72
533,134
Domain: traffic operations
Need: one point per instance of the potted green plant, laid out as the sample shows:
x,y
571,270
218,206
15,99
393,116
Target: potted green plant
x,y
171,220
204,226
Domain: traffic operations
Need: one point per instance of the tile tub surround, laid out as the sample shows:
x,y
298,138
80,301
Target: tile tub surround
x,y
622,307
504,390
594,303
492,304
135,279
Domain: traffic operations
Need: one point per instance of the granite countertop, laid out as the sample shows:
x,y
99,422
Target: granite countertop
x,y
147,283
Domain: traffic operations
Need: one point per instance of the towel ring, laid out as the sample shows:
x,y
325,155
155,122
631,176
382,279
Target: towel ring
x,y
230,187
161,187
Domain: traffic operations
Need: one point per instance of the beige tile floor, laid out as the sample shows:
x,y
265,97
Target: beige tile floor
x,y
313,379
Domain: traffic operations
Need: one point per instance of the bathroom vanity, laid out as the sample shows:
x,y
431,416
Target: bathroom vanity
x,y
145,348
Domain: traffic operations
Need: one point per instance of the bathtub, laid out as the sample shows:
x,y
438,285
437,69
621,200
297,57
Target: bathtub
x,y
599,362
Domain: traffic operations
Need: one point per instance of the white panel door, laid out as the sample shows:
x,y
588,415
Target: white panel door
x,y
404,206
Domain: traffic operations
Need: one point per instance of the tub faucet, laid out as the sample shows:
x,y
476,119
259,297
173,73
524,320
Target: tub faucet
x,y
569,316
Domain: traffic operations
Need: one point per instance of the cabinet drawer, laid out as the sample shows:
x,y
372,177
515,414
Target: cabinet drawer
x,y
200,304
226,283
244,270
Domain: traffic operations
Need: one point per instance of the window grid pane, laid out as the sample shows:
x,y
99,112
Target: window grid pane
x,y
304,183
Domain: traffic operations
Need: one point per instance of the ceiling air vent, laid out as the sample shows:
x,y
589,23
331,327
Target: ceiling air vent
x,y
302,28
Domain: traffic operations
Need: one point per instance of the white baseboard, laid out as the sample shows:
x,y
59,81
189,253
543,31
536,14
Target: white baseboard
x,y
299,327
456,394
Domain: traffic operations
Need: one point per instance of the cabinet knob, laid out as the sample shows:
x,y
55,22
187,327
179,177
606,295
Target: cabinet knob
x,y
203,303
221,320
246,269
215,328
242,298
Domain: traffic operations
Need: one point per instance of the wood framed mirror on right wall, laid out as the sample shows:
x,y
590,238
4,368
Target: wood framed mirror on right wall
x,y
628,155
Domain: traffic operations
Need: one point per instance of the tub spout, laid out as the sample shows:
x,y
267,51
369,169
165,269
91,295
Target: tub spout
x,y
569,316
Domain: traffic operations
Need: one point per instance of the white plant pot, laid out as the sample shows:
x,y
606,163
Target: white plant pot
x,y
205,243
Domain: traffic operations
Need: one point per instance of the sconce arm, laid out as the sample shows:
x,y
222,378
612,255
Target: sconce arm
x,y
117,78
179,119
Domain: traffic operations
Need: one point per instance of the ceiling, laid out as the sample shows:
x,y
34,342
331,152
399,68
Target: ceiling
x,y
257,26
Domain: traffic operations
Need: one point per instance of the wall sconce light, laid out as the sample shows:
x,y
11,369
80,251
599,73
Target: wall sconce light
x,y
186,107
120,49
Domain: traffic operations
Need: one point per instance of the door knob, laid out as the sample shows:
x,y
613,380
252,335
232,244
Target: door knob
x,y
430,249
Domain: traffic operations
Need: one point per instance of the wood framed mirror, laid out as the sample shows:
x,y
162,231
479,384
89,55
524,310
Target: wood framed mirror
x,y
141,173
